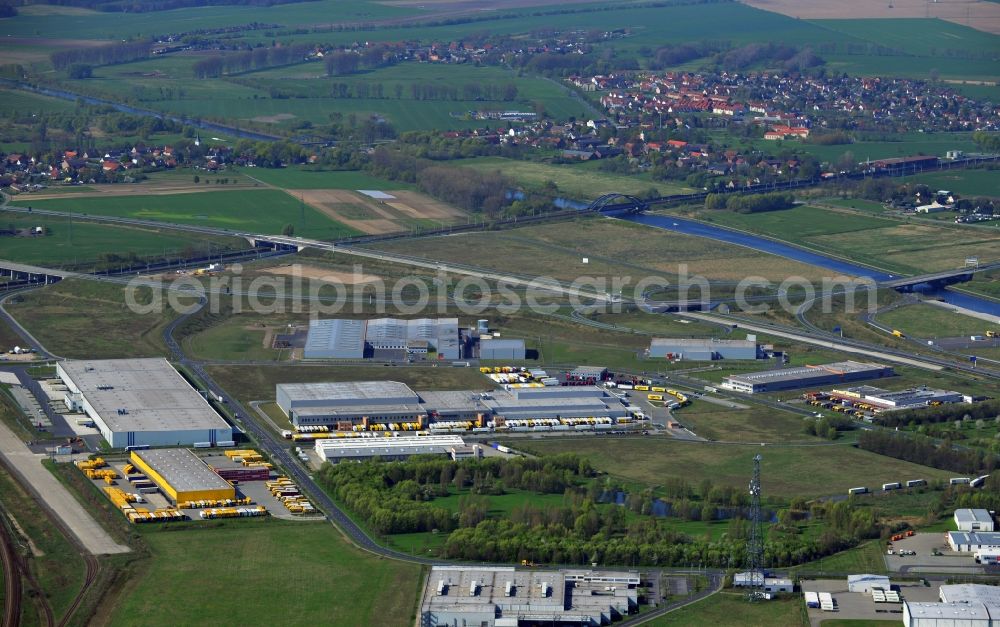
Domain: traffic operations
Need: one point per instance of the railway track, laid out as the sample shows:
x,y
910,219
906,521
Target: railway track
x,y
11,579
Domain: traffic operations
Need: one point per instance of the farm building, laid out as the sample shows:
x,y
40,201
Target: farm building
x,y
383,338
497,349
506,597
141,402
390,449
865,583
973,520
805,376
970,541
702,350
182,475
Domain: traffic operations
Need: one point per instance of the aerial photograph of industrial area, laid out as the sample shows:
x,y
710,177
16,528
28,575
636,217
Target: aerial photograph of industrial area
x,y
500,313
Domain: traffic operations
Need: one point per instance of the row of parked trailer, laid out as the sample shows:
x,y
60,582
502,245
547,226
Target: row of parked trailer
x,y
232,512
206,503
136,515
888,487
283,490
916,483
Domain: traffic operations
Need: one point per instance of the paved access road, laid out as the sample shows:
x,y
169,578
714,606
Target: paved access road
x,y
35,477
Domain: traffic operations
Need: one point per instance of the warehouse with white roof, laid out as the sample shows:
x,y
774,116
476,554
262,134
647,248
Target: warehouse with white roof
x,y
383,338
142,402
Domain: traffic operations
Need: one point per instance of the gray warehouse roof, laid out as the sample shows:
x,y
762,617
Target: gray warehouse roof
x,y
367,391
951,611
154,395
970,593
973,515
700,342
338,337
805,372
182,469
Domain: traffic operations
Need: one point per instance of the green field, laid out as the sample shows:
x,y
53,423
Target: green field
x,y
90,320
267,573
966,183
757,424
907,144
83,242
930,321
786,471
579,181
732,608
904,247
264,211
866,558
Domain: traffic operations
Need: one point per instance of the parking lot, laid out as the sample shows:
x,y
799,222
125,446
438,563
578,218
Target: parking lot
x,y
858,606
924,544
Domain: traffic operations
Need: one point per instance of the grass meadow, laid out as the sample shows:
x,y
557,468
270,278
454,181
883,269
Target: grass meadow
x,y
966,183
266,572
256,211
787,471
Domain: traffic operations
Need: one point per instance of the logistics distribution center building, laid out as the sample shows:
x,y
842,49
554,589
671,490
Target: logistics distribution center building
x,y
182,475
505,597
805,376
383,338
344,404
702,350
142,402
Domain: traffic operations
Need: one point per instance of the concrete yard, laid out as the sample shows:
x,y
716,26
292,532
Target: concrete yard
x,y
857,606
923,544
55,496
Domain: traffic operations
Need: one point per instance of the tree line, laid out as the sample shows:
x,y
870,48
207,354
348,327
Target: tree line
x,y
751,203
109,54
942,413
256,59
923,450
342,62
149,6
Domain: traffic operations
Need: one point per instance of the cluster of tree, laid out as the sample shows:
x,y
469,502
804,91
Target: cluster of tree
x,y
829,139
922,450
472,190
398,497
426,91
341,62
753,203
985,410
109,54
827,427
756,53
581,532
987,141
246,60
147,6
675,54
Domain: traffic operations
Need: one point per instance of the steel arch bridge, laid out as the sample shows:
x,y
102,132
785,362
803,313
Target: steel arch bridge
x,y
622,203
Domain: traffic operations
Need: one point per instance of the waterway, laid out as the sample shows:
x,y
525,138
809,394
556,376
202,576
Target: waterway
x,y
788,251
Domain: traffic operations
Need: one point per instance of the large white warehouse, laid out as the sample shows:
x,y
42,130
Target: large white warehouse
x,y
141,402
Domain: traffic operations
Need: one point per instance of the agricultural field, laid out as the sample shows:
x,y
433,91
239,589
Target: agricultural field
x,y
966,183
288,560
302,178
82,319
397,210
46,22
256,211
723,608
612,247
905,144
81,243
909,248
822,469
583,181
931,321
